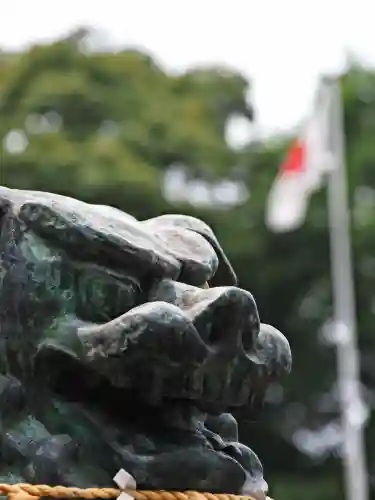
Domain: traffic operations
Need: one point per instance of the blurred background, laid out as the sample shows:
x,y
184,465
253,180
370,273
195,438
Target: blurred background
x,y
160,107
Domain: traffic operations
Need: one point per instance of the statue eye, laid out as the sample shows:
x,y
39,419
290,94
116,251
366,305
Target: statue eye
x,y
91,298
101,297
35,250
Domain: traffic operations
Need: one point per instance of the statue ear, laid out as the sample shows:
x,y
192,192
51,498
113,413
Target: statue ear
x,y
225,275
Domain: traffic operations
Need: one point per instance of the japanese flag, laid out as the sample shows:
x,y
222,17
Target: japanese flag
x,y
302,172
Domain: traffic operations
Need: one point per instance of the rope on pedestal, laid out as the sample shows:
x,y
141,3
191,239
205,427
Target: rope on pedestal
x,y
24,491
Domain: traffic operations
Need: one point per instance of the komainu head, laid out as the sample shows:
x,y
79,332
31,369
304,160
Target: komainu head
x,y
126,343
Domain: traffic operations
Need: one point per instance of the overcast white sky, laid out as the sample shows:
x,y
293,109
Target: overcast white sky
x,y
282,45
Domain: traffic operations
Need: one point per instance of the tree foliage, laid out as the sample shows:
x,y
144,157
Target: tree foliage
x,y
106,127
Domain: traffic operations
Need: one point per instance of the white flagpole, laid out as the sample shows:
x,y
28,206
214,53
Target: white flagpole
x,y
352,407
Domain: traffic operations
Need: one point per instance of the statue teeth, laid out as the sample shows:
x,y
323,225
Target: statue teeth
x,y
244,392
196,383
227,389
253,399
